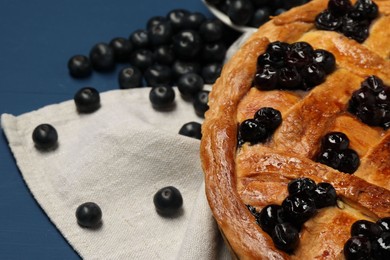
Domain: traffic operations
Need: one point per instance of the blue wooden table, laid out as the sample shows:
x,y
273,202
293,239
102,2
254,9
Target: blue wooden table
x,y
37,39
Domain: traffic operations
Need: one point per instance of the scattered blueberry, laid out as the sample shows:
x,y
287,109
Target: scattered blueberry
x,y
168,201
191,129
211,72
130,77
89,215
177,18
122,48
164,54
140,39
45,136
79,66
240,12
190,84
102,57
211,30
213,52
160,33
141,58
154,21
158,74
187,44
87,100
180,68
162,96
201,102
260,16
194,20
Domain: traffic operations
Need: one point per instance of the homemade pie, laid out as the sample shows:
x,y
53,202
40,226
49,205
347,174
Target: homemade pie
x,y
305,100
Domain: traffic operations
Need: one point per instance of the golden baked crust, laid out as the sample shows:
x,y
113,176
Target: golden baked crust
x,y
258,174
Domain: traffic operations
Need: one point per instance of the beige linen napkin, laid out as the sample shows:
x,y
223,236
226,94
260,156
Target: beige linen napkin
x,y
118,157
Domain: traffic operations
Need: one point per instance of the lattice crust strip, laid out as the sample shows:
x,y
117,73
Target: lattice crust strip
x,y
258,174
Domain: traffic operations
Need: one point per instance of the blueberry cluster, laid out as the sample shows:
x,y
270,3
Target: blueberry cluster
x,y
351,20
283,222
369,240
253,13
262,126
295,66
371,103
336,154
169,47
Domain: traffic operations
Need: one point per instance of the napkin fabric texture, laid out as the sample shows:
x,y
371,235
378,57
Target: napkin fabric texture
x,y
118,157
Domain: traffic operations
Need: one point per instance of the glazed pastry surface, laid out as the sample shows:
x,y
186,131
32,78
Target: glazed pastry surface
x,y
258,175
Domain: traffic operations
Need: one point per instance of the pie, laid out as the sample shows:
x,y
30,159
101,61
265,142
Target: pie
x,y
244,174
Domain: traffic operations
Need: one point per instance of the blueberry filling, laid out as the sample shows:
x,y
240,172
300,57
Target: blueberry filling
x,y
283,222
351,20
371,103
292,66
335,153
261,127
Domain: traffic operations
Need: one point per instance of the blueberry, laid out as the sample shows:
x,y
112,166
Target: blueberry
x,y
253,211
299,54
305,186
252,131
324,195
384,223
329,157
158,74
361,98
45,136
160,33
276,61
130,77
139,38
373,83
194,20
367,8
122,48
269,117
327,21
154,21
213,52
289,78
211,72
325,59
211,30
279,11
240,11
178,17
349,161
313,75
187,44
102,57
260,16
381,246
285,237
180,68
191,129
357,248
270,216
277,53
79,66
89,215
354,29
164,54
335,141
168,201
339,7
267,78
141,58
366,229
87,100
162,97
190,84
299,208
201,102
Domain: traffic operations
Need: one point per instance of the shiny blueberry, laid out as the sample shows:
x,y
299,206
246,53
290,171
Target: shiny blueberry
x,y
162,97
194,20
324,195
269,117
89,215
164,54
45,136
366,229
327,21
329,157
373,83
158,74
141,58
313,75
122,48
367,9
201,100
211,72
160,33
168,201
339,7
384,223
260,16
253,211
335,141
87,100
191,129
177,18
130,77
190,84
139,38
180,67
213,52
325,59
285,237
289,78
305,186
252,131
79,66
299,208
354,29
299,54
270,216
266,78
211,30
187,44
277,51
349,161
102,57
357,248
154,21
381,246
240,11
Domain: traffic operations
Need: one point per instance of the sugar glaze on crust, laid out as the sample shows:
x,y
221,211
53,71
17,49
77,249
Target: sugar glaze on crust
x,y
258,174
